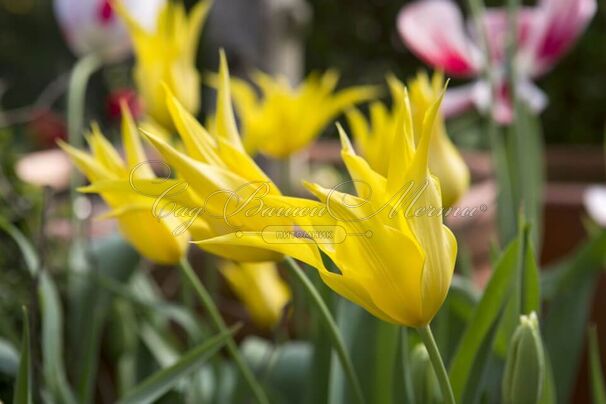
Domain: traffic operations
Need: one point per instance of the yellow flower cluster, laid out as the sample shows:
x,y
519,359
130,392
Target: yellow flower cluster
x,y
386,237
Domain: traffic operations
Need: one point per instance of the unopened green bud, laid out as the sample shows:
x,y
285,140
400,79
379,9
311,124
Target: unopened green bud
x,y
525,365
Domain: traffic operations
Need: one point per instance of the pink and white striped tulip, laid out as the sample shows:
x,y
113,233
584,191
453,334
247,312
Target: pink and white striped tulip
x,y
436,32
92,26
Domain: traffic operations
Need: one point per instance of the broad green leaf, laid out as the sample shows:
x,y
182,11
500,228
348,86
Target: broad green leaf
x,y
284,368
598,389
160,348
153,304
424,380
485,314
163,381
565,324
113,259
122,332
386,344
373,346
526,163
485,373
525,297
23,384
319,377
404,370
52,340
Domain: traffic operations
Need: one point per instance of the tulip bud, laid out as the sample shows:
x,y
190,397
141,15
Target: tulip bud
x,y
525,365
424,381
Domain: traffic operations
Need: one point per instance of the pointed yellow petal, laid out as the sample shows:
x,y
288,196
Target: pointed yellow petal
x,y
261,289
197,18
90,167
199,143
104,152
225,120
135,155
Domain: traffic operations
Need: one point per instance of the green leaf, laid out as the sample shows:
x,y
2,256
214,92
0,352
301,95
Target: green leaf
x,y
424,380
113,259
373,346
25,246
23,385
526,295
565,325
531,282
506,209
319,377
285,368
52,340
163,381
485,315
9,358
598,389
526,163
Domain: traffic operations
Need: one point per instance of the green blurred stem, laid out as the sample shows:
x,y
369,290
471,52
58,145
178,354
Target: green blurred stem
x,y
437,363
76,105
217,320
331,325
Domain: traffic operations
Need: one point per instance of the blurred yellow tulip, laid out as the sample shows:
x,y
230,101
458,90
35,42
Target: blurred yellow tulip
x,y
283,120
155,238
445,161
394,254
374,139
261,289
218,172
167,57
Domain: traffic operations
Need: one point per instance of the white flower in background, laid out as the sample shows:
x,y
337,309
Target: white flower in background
x,y
595,203
92,26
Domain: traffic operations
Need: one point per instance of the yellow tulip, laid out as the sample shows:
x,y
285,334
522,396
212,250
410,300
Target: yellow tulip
x,y
283,120
260,288
374,139
167,56
445,161
218,172
153,237
394,254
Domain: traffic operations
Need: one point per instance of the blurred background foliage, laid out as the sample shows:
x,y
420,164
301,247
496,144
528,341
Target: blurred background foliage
x,y
358,37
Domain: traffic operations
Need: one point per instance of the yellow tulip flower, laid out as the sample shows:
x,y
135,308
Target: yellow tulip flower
x,y
261,289
153,237
375,138
394,254
218,172
167,56
283,120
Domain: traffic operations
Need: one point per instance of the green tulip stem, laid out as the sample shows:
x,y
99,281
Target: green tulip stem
x,y
437,363
76,97
217,320
331,325
76,106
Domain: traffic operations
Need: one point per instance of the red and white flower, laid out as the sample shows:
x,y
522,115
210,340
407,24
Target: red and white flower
x,y
92,26
436,32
